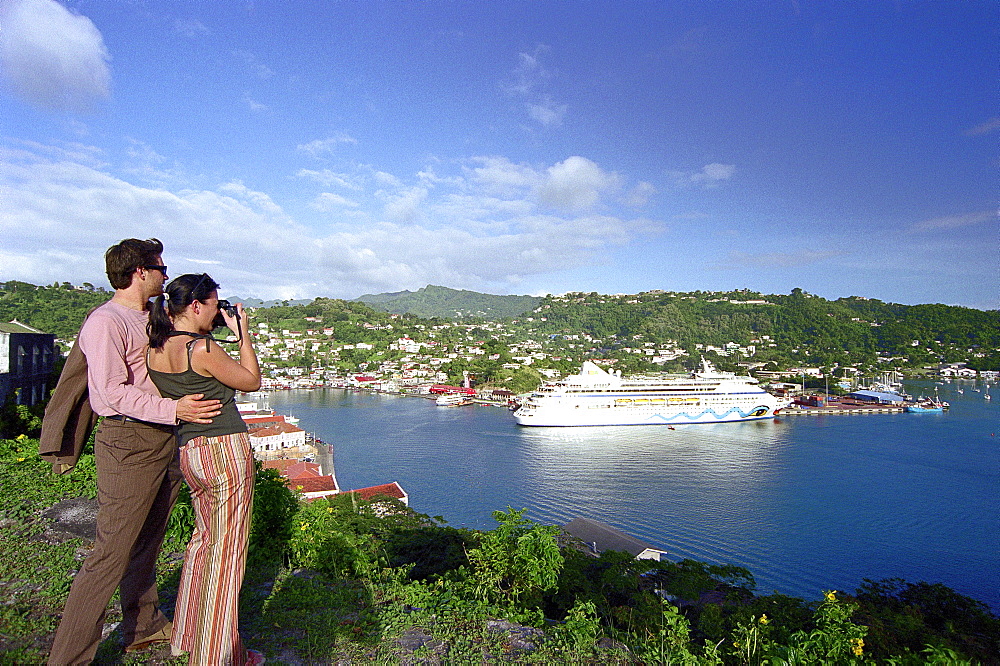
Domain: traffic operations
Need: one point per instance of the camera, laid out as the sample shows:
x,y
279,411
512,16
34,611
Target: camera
x,y
219,322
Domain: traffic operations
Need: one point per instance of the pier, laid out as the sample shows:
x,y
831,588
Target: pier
x,y
842,409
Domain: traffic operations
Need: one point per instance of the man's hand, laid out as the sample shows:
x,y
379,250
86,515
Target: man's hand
x,y
193,409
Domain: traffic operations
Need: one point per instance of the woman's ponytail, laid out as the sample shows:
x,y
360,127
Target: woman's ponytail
x,y
180,293
159,327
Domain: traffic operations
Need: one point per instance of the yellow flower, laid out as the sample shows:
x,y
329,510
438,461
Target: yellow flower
x,y
21,459
329,509
304,527
857,646
763,619
21,437
831,595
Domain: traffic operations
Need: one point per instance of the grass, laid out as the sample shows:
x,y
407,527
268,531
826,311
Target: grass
x,y
327,582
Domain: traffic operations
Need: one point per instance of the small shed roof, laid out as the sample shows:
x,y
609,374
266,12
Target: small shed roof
x,y
877,396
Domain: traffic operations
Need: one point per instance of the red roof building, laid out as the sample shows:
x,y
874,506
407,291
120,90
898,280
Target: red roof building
x,y
293,468
313,487
393,490
257,421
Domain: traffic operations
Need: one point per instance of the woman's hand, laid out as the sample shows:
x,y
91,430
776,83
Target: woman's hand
x,y
234,322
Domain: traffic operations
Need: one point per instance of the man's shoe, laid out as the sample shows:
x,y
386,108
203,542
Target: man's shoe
x,y
161,636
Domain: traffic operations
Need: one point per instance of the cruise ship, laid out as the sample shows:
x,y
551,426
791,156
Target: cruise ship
x,y
595,397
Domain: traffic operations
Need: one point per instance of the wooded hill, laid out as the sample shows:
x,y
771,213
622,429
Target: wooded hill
x,y
433,301
787,329
797,326
58,309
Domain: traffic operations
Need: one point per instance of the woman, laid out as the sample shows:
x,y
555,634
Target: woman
x,y
216,460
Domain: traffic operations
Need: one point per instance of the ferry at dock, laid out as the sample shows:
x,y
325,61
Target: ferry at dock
x,y
595,397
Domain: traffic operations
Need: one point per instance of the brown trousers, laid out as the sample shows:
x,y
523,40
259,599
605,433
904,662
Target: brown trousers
x,y
138,476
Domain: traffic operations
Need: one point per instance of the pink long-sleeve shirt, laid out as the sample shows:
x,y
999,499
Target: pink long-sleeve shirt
x,y
114,341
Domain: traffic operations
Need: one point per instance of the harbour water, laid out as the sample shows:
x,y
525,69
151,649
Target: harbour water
x,y
806,503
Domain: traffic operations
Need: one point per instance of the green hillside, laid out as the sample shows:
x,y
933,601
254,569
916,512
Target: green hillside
x,y
783,329
58,309
796,327
433,301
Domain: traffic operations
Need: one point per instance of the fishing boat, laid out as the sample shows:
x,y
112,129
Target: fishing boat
x,y
596,397
926,405
922,407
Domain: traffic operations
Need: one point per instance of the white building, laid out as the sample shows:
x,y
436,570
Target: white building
x,y
277,437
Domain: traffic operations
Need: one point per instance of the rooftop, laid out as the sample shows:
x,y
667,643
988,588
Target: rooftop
x,y
14,326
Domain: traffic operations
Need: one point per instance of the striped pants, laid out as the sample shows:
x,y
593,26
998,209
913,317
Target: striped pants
x,y
220,473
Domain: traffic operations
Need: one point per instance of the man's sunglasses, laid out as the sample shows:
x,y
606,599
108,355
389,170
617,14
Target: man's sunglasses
x,y
162,269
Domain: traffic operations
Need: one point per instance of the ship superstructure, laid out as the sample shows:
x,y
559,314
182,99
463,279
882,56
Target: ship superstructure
x,y
597,397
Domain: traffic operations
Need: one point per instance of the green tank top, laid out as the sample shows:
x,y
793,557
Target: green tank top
x,y
176,385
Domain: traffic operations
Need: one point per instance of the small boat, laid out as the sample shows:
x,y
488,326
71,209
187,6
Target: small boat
x,y
926,405
453,400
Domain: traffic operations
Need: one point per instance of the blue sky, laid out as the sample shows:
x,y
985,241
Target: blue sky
x,y
297,149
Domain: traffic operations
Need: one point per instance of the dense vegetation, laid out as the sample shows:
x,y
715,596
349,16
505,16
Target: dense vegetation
x,y
344,580
432,301
801,327
772,332
58,309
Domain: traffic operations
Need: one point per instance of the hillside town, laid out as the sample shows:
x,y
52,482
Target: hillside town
x,y
407,365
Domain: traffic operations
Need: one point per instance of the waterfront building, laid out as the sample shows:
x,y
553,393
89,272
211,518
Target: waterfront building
x,y
279,441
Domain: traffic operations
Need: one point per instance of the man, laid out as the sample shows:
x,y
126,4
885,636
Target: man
x,y
135,450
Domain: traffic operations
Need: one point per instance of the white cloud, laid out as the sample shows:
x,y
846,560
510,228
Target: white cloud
x,y
991,125
776,259
529,81
254,66
387,180
53,58
956,221
640,195
709,176
576,183
321,147
191,27
529,73
328,201
405,207
500,176
326,178
253,104
460,232
392,257
547,112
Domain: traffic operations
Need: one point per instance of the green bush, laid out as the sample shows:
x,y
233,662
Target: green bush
x,y
516,562
274,508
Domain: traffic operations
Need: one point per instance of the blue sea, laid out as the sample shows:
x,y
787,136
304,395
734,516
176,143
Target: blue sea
x,y
806,503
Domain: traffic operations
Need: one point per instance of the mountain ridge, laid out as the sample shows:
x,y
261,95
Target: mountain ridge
x,y
436,301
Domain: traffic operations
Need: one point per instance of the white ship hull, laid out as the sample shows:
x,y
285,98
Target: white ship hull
x,y
597,398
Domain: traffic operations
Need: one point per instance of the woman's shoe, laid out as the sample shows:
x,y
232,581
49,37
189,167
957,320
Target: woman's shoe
x,y
254,658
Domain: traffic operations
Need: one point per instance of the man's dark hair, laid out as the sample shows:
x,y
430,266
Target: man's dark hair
x,y
122,259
